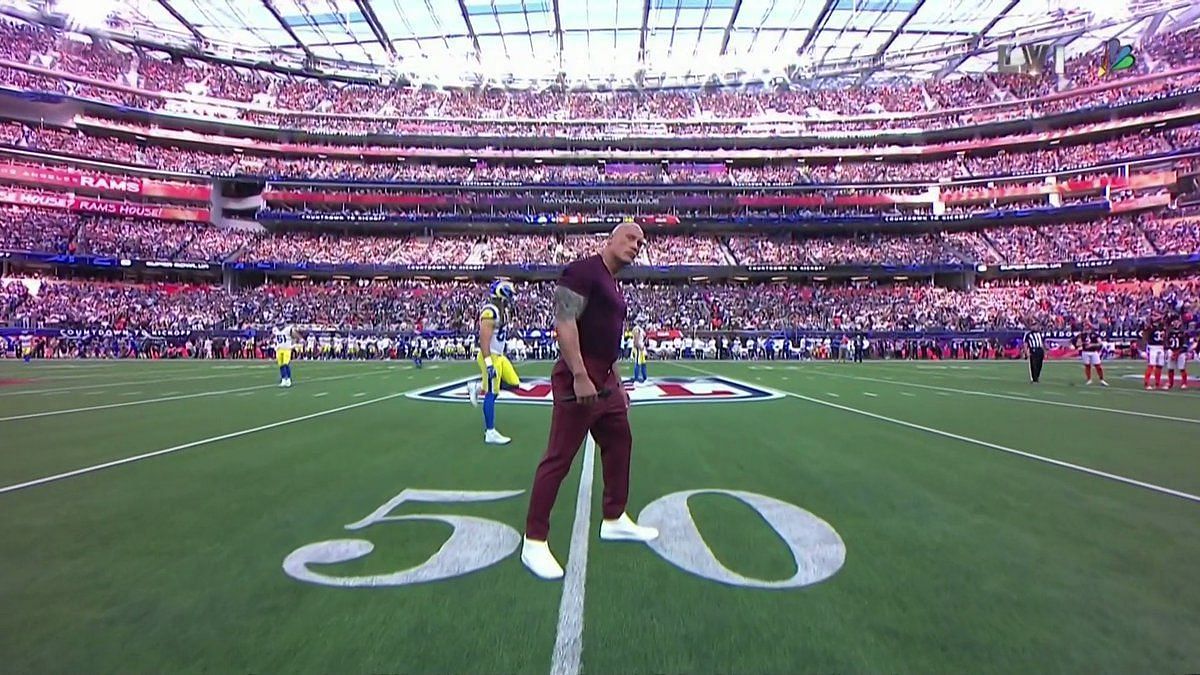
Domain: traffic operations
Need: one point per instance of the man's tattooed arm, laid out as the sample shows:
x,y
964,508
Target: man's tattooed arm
x,y
568,306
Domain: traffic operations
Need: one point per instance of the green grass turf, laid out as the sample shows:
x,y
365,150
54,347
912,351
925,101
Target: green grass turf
x,y
959,558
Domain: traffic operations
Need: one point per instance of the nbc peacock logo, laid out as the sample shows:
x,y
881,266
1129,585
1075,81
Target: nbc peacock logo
x,y
1116,57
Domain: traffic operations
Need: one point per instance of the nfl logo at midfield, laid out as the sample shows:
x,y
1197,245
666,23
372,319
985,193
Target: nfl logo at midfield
x,y
536,391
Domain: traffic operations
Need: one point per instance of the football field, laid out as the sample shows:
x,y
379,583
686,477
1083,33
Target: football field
x,y
888,517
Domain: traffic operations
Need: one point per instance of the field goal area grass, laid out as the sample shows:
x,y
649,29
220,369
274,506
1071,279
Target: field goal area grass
x,y
815,517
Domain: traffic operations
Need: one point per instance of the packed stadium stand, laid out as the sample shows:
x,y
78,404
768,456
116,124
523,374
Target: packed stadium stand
x,y
398,306
150,190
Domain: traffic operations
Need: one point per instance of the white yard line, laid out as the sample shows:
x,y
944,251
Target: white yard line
x,y
193,444
68,411
81,370
971,372
41,366
946,391
110,385
995,446
567,658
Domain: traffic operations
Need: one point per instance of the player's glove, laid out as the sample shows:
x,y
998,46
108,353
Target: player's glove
x,y
491,370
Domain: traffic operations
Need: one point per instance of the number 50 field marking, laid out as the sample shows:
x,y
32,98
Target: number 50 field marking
x,y
478,543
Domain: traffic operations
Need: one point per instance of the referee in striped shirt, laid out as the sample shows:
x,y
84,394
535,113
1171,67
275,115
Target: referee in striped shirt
x,y
1036,347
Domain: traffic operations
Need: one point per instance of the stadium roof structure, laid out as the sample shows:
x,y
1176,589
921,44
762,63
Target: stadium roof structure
x,y
621,43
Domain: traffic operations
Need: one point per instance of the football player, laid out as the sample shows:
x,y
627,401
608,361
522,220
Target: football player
x,y
26,347
284,337
1178,346
1088,344
639,354
496,369
417,348
1155,337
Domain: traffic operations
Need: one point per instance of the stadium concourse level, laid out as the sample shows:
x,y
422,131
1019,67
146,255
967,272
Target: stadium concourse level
x,y
155,72
1065,159
400,306
50,231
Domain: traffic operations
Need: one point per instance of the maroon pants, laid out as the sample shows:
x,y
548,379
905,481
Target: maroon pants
x,y
608,421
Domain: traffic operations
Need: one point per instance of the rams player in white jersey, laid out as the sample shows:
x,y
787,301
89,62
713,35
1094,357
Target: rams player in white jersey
x,y
284,337
26,347
639,354
494,366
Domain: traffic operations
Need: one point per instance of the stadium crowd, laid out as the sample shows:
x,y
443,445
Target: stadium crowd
x,y
1114,237
49,231
24,228
142,238
967,97
1175,236
404,306
43,230
450,306
326,248
1060,159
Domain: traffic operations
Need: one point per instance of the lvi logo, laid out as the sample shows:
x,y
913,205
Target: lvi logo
x,y
657,390
1116,57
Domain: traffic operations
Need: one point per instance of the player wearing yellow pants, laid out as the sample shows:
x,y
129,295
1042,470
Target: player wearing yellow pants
x,y
284,338
496,369
639,354
503,373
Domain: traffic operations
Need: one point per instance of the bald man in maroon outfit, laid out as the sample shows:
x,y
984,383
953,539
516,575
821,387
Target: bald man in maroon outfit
x,y
589,314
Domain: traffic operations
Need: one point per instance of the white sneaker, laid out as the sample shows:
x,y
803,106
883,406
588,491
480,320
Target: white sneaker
x,y
493,437
1183,386
1088,383
624,529
283,383
473,391
536,556
1103,383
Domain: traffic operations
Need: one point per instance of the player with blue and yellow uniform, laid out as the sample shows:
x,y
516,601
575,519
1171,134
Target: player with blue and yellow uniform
x,y
639,354
496,370
26,342
284,339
